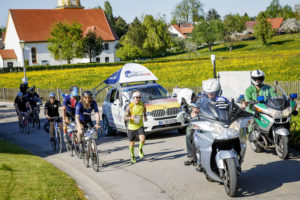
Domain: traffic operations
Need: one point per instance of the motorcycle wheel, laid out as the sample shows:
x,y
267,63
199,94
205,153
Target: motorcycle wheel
x,y
230,177
282,148
254,146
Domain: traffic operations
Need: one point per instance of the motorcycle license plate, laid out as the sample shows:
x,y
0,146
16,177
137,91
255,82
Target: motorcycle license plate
x,y
167,121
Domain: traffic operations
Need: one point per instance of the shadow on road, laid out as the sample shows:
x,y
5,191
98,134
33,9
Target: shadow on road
x,y
267,177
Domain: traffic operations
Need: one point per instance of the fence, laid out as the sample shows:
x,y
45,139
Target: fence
x,y
10,94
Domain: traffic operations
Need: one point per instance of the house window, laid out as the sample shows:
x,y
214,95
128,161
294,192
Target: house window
x,y
10,64
33,55
45,62
106,59
106,46
98,60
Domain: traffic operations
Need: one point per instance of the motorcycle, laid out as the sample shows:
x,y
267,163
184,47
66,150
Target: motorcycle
x,y
220,136
272,123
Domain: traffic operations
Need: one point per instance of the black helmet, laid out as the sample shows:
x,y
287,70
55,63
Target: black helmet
x,y
87,93
32,89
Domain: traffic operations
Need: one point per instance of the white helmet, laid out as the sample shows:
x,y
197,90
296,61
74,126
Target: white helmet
x,y
212,86
186,95
257,77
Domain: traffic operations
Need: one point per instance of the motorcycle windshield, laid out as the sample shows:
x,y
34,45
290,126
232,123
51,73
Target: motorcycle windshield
x,y
215,110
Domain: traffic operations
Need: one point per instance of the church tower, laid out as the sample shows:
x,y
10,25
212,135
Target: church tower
x,y
69,4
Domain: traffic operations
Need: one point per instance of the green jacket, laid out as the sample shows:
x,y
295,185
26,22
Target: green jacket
x,y
252,93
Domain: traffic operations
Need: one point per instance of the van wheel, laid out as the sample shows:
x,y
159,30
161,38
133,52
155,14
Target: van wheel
x,y
107,129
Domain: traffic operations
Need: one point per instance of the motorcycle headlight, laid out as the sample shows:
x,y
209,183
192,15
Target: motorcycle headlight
x,y
286,112
274,113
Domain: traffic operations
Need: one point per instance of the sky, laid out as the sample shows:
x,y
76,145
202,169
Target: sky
x,y
129,9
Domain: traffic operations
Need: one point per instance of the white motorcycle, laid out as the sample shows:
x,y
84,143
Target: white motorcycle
x,y
220,141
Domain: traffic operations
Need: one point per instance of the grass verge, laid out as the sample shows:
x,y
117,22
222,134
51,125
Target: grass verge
x,y
25,176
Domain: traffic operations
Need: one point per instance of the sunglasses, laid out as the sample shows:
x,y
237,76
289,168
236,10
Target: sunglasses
x,y
138,97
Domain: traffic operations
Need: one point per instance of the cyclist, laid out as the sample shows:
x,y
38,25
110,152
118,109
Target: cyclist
x,y
68,109
51,112
33,98
135,112
23,88
22,106
83,113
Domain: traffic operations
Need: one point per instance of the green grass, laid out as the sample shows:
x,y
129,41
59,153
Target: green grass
x,y
25,176
296,139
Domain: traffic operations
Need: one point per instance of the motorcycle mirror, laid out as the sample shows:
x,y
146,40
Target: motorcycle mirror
x,y
174,95
294,96
260,98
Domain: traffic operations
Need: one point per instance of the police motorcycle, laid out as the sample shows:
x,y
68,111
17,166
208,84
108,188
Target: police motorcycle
x,y
220,141
272,123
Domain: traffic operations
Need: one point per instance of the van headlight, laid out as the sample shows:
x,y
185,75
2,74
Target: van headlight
x,y
148,113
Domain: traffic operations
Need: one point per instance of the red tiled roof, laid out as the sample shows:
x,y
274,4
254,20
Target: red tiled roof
x,y
34,25
8,54
276,23
184,28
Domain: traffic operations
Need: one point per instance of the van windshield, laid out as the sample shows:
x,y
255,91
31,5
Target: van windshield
x,y
149,92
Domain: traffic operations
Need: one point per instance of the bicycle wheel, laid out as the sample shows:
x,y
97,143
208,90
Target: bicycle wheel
x,y
59,140
72,145
95,156
26,125
85,153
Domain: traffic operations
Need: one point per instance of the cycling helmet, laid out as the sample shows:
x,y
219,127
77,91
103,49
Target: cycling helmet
x,y
72,87
32,89
212,86
87,93
20,94
74,92
52,94
257,77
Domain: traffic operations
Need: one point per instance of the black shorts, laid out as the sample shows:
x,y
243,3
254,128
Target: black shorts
x,y
133,133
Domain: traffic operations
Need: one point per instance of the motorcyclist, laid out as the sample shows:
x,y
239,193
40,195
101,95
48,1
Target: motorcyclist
x,y
211,89
68,109
258,88
22,106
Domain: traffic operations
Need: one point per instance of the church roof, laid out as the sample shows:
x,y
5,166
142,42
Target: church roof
x,y
34,25
8,54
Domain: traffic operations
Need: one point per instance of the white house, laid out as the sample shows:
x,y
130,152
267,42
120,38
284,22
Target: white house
x,y
8,58
181,30
28,31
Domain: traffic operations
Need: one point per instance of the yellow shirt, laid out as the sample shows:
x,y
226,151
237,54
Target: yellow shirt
x,y
138,112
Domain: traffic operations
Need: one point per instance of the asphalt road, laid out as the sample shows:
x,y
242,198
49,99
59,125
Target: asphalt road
x,y
161,174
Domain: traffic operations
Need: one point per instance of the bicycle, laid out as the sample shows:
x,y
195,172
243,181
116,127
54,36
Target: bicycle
x,y
35,118
72,134
89,148
24,126
57,144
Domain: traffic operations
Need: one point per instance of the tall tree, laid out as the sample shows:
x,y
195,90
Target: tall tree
x,y
212,15
188,10
121,27
109,13
263,28
190,47
203,32
287,12
65,41
92,45
273,9
232,24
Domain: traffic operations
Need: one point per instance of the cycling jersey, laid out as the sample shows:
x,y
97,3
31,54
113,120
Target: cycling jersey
x,y
33,98
70,104
52,109
21,104
85,114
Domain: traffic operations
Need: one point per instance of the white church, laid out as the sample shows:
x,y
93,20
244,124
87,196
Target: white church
x,y
28,31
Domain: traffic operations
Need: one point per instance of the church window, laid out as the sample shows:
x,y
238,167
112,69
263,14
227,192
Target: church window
x,y
33,55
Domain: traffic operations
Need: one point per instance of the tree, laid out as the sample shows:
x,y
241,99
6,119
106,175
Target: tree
x,y
157,38
173,21
190,47
212,15
232,24
109,13
204,33
263,28
129,52
287,12
65,41
273,9
290,26
2,30
121,27
178,43
188,10
92,45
